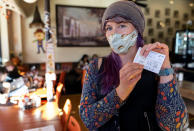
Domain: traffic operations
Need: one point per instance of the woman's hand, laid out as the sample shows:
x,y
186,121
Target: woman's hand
x,y
130,74
160,48
163,49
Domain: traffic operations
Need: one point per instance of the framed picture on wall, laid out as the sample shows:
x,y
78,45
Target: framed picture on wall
x,y
192,27
152,40
149,22
147,11
145,39
184,26
185,17
158,25
176,14
160,35
167,21
177,24
79,26
157,13
150,32
192,12
170,31
167,12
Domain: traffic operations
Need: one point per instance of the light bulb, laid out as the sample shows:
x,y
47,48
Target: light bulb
x,y
191,4
30,1
171,2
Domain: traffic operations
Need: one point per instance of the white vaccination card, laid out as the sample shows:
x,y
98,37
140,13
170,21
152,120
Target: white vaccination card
x,y
153,62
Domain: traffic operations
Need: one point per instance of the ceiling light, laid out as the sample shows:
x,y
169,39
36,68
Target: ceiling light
x,y
30,1
171,2
191,4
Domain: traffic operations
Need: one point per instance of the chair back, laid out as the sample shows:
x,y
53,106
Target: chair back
x,y
69,122
66,113
73,124
83,76
62,77
58,93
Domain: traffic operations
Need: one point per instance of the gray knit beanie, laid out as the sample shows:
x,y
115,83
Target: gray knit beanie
x,y
127,10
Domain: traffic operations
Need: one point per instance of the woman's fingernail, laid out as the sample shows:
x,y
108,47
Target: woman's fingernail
x,y
141,53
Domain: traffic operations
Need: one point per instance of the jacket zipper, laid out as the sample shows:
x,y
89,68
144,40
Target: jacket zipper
x,y
146,116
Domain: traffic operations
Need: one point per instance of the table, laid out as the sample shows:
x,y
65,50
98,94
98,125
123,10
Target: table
x,y
12,118
186,89
41,92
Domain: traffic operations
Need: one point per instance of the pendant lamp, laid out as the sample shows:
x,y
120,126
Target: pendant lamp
x,y
30,1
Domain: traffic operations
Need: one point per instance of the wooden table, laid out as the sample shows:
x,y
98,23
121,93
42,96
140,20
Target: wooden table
x,y
186,89
12,118
41,92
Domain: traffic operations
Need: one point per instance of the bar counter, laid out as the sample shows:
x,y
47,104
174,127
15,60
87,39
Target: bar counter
x,y
186,89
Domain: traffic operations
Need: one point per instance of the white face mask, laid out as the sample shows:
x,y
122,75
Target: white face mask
x,y
120,44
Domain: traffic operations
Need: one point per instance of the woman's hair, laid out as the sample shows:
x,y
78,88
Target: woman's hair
x,y
112,65
84,56
3,70
9,63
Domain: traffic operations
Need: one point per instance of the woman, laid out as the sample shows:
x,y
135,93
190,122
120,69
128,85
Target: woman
x,y
118,94
12,71
83,63
3,76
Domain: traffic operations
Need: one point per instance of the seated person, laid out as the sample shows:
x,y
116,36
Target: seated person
x,y
36,80
4,86
9,87
3,76
15,60
73,80
12,71
84,61
94,56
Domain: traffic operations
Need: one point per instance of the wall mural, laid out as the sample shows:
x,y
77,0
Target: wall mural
x,y
79,26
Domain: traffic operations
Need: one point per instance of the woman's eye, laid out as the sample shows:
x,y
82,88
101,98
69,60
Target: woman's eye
x,y
122,26
108,28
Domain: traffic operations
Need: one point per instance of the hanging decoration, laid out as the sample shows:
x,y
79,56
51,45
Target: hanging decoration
x,y
6,13
9,5
49,41
36,22
40,35
50,62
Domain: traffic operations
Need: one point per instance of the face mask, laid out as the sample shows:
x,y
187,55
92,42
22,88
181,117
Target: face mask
x,y
120,44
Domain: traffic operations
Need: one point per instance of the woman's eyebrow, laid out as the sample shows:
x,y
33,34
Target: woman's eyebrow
x,y
107,25
122,22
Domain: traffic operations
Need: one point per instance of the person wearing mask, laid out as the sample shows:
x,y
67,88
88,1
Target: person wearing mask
x,y
119,94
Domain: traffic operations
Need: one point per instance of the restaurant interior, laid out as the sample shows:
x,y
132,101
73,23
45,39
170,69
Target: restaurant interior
x,y
47,45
